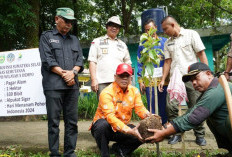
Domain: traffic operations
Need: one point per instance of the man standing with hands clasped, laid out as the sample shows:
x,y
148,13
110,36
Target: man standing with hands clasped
x,y
62,60
183,48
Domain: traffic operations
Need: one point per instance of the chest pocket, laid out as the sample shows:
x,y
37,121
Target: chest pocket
x,y
127,108
186,47
103,52
171,49
57,51
75,50
121,51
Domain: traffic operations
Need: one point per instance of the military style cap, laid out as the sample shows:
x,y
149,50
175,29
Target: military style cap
x,y
194,69
122,68
66,13
114,19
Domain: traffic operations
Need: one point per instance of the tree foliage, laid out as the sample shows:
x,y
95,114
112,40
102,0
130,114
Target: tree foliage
x,y
22,21
149,55
16,17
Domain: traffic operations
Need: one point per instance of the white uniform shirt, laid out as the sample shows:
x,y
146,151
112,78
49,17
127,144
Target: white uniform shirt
x,y
183,50
108,54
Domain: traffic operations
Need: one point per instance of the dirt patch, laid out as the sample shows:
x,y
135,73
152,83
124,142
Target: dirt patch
x,y
151,122
22,118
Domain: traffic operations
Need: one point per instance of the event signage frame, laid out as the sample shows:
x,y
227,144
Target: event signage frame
x,y
21,83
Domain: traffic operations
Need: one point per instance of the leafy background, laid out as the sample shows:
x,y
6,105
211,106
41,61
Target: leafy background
x,y
23,21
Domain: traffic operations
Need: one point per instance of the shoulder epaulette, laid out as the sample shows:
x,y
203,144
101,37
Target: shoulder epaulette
x,y
44,32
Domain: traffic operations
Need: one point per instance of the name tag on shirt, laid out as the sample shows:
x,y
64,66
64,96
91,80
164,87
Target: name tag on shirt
x,y
54,41
171,44
104,42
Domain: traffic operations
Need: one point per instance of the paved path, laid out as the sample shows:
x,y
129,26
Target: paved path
x,y
33,135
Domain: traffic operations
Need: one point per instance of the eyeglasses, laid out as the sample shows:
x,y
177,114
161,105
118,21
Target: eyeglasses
x,y
113,25
66,20
124,76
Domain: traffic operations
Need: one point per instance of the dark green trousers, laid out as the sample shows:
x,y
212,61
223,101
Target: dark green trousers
x,y
172,107
223,140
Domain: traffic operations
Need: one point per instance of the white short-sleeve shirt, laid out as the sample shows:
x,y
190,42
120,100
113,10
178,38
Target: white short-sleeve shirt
x,y
183,50
108,54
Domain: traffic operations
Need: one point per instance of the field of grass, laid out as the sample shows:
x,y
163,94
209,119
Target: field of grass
x,y
86,109
140,152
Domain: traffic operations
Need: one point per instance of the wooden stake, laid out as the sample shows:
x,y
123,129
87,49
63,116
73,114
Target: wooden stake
x,y
222,80
156,111
182,134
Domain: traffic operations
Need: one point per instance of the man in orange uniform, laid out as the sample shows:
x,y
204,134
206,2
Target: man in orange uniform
x,y
114,112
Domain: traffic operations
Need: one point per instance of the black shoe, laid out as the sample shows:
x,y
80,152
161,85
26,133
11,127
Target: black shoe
x,y
117,150
200,141
174,139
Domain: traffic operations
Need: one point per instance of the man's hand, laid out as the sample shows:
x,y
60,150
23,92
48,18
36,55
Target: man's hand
x,y
94,85
67,75
135,132
157,137
160,87
71,83
142,88
148,114
227,76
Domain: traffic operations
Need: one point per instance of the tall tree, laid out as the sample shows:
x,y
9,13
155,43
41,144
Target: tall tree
x,y
19,18
32,31
15,18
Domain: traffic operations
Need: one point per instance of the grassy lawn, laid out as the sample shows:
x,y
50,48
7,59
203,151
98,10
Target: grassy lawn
x,y
16,151
86,110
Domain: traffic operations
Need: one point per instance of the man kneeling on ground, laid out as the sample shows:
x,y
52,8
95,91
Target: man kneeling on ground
x,y
211,106
111,121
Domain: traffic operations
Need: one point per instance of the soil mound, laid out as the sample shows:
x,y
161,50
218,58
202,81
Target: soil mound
x,y
151,122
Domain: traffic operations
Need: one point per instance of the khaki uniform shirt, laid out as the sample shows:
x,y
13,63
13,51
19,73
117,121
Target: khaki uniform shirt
x,y
183,50
108,54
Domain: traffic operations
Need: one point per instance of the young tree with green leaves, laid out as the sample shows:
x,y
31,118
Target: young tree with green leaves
x,y
150,57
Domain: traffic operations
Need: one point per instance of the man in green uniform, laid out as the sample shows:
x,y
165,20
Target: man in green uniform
x,y
211,106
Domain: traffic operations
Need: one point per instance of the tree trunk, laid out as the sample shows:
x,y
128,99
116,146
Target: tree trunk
x,y
32,32
126,15
32,37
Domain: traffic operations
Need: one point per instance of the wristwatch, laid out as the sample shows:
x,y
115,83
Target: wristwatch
x,y
75,72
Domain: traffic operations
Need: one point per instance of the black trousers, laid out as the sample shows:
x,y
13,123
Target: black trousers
x,y
56,101
103,133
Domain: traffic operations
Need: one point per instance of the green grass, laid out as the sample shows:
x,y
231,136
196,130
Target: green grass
x,y
87,106
16,151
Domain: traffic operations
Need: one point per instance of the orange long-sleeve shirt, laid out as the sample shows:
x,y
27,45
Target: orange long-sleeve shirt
x,y
116,106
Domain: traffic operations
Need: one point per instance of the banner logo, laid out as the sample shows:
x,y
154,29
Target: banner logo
x,y
2,59
10,57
